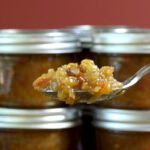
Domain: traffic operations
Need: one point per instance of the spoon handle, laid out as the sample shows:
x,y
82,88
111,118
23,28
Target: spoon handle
x,y
136,77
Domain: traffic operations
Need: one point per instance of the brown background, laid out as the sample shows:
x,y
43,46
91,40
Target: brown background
x,y
60,13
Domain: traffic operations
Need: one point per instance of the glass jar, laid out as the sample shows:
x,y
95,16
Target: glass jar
x,y
24,56
84,33
117,129
127,49
40,129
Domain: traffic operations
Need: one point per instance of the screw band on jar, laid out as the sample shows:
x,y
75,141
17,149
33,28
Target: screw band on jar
x,y
122,120
38,42
54,118
121,40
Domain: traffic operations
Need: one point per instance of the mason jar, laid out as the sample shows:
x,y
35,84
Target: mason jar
x,y
84,34
40,129
24,56
117,129
127,49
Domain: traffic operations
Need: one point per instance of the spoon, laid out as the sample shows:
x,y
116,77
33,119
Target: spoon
x,y
85,97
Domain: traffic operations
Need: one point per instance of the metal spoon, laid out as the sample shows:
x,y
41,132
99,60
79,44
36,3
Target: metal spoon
x,y
85,97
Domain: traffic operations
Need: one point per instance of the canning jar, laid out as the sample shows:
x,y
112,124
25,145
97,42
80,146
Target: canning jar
x,y
40,129
24,56
117,129
127,49
84,34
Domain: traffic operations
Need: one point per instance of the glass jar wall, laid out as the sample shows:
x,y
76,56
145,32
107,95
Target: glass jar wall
x,y
118,140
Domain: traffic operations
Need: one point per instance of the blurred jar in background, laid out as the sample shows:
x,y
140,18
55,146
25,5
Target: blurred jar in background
x,y
84,34
40,129
25,55
127,49
117,129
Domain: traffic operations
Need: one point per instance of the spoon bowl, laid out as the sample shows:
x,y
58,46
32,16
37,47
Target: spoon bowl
x,y
86,97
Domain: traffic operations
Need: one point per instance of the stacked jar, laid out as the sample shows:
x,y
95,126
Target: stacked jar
x,y
40,129
28,119
84,34
127,49
117,129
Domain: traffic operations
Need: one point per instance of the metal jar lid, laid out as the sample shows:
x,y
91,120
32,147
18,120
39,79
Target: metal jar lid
x,y
122,120
121,39
84,33
37,42
54,118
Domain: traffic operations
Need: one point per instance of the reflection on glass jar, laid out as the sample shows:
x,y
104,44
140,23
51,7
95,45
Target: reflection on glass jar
x,y
25,55
117,129
127,52
47,129
6,73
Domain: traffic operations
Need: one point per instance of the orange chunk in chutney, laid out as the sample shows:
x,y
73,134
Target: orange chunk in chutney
x,y
85,76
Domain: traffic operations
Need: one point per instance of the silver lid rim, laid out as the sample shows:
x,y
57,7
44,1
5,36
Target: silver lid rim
x,y
121,29
51,126
122,126
121,35
40,36
54,118
31,40
121,38
57,48
121,49
38,42
123,120
36,112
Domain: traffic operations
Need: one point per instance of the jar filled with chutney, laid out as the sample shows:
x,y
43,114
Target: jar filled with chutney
x,y
118,129
25,55
128,50
40,129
